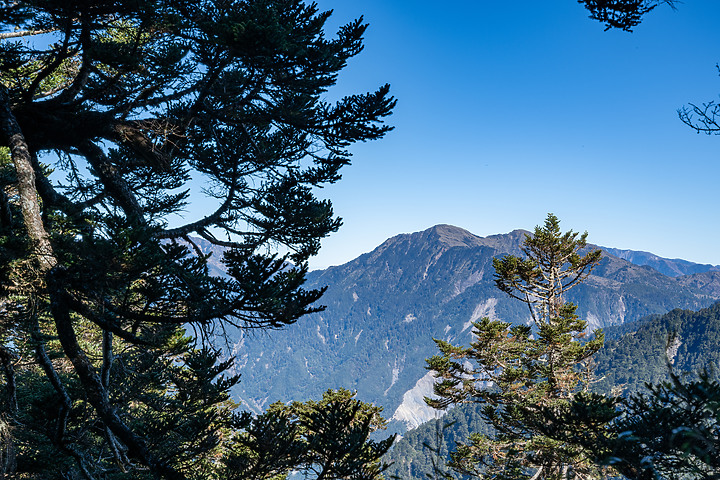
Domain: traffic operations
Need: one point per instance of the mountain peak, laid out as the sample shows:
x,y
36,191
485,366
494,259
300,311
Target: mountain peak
x,y
453,236
434,240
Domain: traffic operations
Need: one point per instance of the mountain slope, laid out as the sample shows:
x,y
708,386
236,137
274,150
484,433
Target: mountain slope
x,y
384,308
689,340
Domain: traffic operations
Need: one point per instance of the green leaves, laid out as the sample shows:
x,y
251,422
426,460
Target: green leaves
x,y
669,431
552,265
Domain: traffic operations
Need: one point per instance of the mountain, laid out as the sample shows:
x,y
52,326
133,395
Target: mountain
x,y
416,455
213,254
385,307
634,353
634,356
670,267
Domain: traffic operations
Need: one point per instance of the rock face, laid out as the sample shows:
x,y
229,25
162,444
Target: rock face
x,y
413,411
385,307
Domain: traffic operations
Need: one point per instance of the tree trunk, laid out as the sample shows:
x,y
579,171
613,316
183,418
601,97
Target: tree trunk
x,y
27,192
95,392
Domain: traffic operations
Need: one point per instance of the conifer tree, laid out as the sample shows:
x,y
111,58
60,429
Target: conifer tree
x,y
622,14
671,430
326,439
519,372
112,114
675,431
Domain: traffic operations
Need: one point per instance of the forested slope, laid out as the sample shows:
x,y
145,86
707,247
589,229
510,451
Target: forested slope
x,y
690,340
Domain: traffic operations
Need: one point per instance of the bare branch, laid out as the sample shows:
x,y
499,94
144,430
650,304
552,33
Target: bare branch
x,y
53,377
116,186
201,225
26,33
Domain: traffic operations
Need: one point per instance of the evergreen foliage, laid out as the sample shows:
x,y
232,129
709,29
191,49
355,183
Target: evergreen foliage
x,y
675,431
326,439
634,354
622,14
110,113
669,431
689,340
520,371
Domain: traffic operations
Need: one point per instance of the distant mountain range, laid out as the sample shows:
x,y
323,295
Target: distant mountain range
x,y
385,307
672,268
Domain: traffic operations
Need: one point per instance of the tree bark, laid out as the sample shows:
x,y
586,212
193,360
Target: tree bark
x,y
27,192
5,212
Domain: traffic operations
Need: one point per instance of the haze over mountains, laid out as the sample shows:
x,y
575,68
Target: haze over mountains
x,y
385,307
672,268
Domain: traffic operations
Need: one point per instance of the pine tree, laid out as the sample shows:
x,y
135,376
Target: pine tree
x,y
326,439
671,430
675,431
111,115
519,373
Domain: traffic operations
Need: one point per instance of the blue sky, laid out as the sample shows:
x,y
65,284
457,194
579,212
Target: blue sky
x,y
509,110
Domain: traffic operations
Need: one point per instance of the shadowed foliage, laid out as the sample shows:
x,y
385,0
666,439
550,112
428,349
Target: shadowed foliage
x,y
114,118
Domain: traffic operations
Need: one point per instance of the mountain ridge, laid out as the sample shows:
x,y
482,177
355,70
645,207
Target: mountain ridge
x,y
674,267
385,306
453,236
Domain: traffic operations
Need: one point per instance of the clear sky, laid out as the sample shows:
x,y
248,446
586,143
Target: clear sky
x,y
508,110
